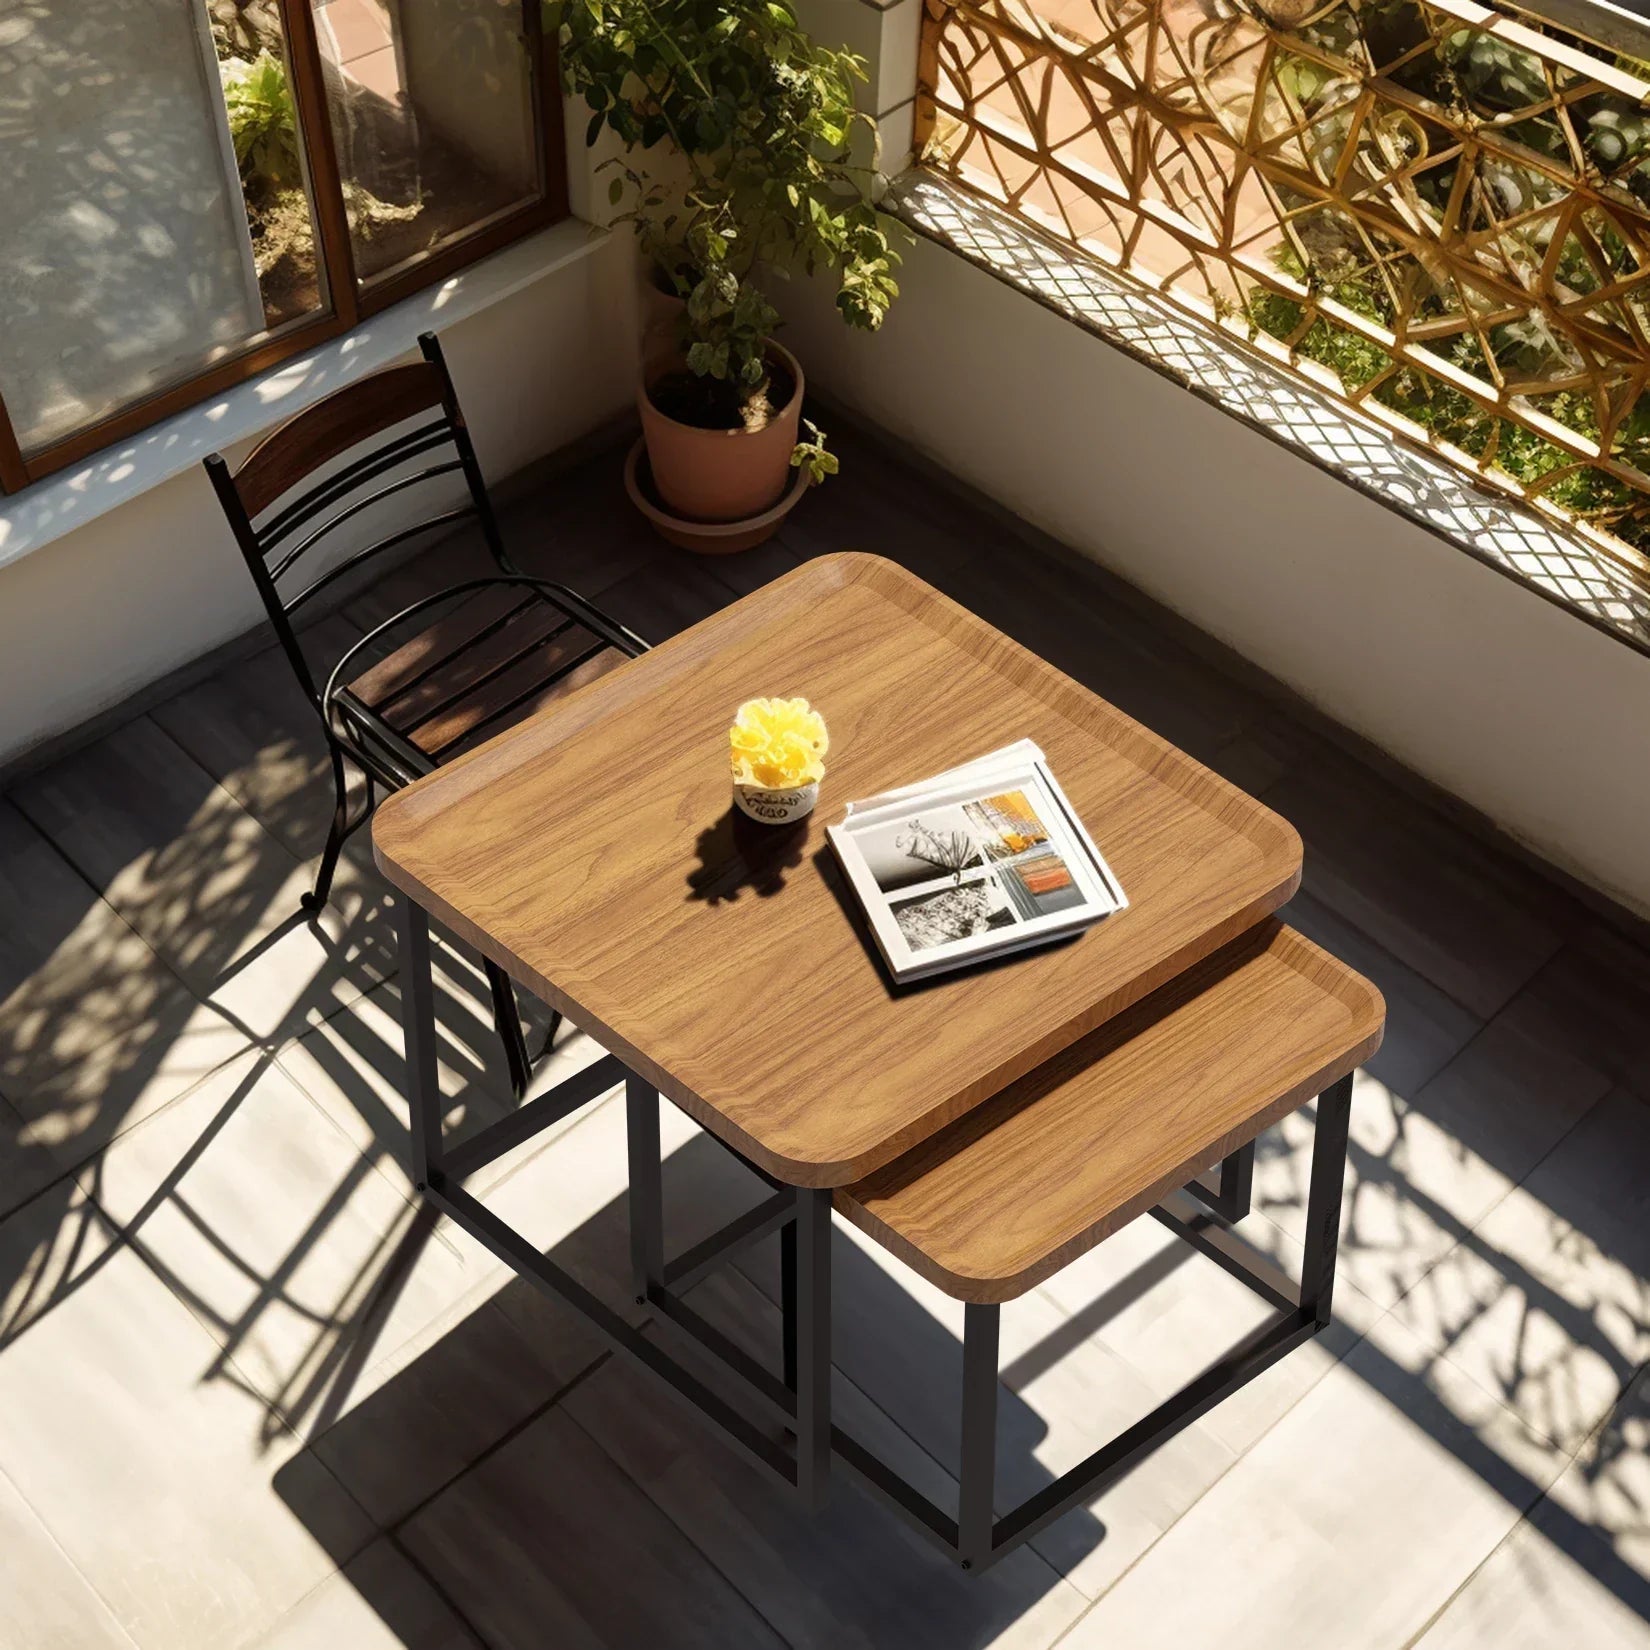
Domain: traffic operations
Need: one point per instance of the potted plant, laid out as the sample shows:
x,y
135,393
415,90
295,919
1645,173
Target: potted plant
x,y
740,166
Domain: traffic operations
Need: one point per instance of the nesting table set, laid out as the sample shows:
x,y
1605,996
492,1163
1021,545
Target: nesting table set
x,y
987,1127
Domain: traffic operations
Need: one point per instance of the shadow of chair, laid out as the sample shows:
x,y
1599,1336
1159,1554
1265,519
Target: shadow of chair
x,y
448,670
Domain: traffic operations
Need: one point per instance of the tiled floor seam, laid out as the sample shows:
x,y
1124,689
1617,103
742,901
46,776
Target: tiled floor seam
x,y
434,1584
1466,1581
1237,1458
915,1443
1471,1231
85,1580
68,859
920,1448
375,1157
86,1164
226,1365
599,1104
402,1520
57,1179
97,894
1524,1517
298,911
1568,948
126,1235
911,1442
122,1235
687,1535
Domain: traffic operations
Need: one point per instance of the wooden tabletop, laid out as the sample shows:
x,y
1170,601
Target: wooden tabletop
x,y
1039,1174
592,852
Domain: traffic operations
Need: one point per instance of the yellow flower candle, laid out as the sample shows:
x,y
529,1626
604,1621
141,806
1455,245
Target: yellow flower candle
x,y
777,746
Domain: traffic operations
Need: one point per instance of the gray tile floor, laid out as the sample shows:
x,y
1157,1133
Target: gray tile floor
x,y
251,1395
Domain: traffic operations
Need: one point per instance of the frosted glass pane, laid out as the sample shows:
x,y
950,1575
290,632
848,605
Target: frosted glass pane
x,y
126,263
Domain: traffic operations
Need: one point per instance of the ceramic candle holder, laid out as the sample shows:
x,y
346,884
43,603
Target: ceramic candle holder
x,y
776,807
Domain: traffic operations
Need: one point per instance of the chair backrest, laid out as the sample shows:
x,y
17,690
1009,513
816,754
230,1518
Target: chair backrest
x,y
335,425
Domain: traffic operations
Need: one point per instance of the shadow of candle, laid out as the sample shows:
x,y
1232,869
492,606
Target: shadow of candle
x,y
737,853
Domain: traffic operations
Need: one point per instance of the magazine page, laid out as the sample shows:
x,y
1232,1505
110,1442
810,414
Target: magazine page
x,y
1004,761
1017,754
969,869
1114,888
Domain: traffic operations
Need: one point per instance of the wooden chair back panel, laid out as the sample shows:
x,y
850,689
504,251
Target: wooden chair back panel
x,y
343,420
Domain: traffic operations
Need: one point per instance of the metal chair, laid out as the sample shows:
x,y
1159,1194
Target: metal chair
x,y
506,644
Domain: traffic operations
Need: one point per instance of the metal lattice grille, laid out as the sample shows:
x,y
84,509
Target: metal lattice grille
x,y
1442,211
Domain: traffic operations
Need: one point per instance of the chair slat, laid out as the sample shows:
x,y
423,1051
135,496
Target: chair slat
x,y
488,660
519,665
355,508
519,693
426,438
439,643
343,420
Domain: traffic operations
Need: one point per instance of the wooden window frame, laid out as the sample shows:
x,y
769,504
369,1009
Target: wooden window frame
x,y
350,300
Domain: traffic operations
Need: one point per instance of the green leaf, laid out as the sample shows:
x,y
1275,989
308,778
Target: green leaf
x,y
615,191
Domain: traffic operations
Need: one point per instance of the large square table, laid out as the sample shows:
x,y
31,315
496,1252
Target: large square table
x,y
593,854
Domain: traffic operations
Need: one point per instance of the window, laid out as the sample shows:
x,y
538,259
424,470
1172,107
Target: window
x,y
196,189
1439,211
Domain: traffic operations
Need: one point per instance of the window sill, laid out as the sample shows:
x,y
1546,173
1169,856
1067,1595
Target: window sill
x,y
33,518
1503,533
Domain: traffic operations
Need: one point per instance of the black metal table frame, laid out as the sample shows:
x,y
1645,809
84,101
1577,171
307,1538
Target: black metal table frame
x,y
797,1402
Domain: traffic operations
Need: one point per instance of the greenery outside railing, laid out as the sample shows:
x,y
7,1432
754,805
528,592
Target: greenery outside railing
x,y
1439,211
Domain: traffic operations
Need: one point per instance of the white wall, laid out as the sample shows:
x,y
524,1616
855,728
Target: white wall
x,y
94,614
1505,700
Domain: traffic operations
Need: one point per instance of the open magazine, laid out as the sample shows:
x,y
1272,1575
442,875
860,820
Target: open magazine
x,y
976,862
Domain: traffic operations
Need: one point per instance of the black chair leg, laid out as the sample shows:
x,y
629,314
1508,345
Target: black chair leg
x,y
316,898
549,1036
507,1018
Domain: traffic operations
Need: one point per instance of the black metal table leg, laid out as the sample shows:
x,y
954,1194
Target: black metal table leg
x,y
800,1403
1231,1195
787,1303
647,1218
1301,1311
977,1480
813,1344
418,1027
1323,1199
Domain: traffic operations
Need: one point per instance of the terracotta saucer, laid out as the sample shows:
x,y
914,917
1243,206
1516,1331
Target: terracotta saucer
x,y
707,538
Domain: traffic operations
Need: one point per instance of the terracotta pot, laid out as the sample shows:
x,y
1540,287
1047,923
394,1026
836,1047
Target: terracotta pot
x,y
720,475
707,538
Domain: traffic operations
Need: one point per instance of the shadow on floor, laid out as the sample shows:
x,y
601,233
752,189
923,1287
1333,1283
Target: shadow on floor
x,y
147,882
860,1565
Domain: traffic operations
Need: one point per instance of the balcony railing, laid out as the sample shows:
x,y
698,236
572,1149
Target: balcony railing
x,y
1440,211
